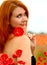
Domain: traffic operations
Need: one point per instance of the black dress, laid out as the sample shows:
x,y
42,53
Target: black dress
x,y
33,60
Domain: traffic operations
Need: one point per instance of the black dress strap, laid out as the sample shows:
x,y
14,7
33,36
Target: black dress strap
x,y
33,60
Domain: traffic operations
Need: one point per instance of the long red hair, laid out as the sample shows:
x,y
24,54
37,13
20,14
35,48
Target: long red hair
x,y
6,10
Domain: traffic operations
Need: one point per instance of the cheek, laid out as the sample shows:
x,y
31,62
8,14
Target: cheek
x,y
15,21
18,21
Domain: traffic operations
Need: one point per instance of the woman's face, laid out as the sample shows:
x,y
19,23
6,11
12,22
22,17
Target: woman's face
x,y
19,18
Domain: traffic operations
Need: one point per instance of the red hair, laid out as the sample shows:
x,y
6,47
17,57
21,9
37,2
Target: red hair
x,y
6,10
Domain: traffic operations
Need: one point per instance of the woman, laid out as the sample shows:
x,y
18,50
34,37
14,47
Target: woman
x,y
14,14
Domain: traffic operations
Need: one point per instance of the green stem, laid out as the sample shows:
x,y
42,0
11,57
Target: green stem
x,y
16,61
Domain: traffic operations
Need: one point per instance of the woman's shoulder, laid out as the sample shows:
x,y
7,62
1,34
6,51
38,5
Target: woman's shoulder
x,y
13,38
21,42
17,41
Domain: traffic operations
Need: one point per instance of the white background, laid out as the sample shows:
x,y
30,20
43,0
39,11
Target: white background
x,y
37,15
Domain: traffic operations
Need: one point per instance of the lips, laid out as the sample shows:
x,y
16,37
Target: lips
x,y
23,24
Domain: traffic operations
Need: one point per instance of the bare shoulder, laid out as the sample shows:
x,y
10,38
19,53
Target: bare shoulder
x,y
17,42
22,43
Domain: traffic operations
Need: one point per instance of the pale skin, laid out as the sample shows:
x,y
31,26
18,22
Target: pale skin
x,y
25,42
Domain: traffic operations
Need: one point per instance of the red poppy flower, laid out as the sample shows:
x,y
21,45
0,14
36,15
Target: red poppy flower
x,y
18,53
14,56
10,61
21,62
45,53
45,63
4,57
44,58
4,60
18,31
38,63
40,59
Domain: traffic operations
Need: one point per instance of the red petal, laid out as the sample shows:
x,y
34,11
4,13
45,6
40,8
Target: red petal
x,y
9,60
19,53
45,53
4,56
18,31
21,62
38,63
40,59
45,63
13,64
14,56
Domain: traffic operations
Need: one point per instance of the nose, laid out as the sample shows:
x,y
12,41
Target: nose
x,y
24,19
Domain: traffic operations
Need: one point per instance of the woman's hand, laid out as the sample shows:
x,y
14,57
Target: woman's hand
x,y
33,41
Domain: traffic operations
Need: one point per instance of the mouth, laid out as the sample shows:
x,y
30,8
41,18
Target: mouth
x,y
23,24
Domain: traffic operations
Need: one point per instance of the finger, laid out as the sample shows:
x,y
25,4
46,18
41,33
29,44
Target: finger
x,y
29,35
